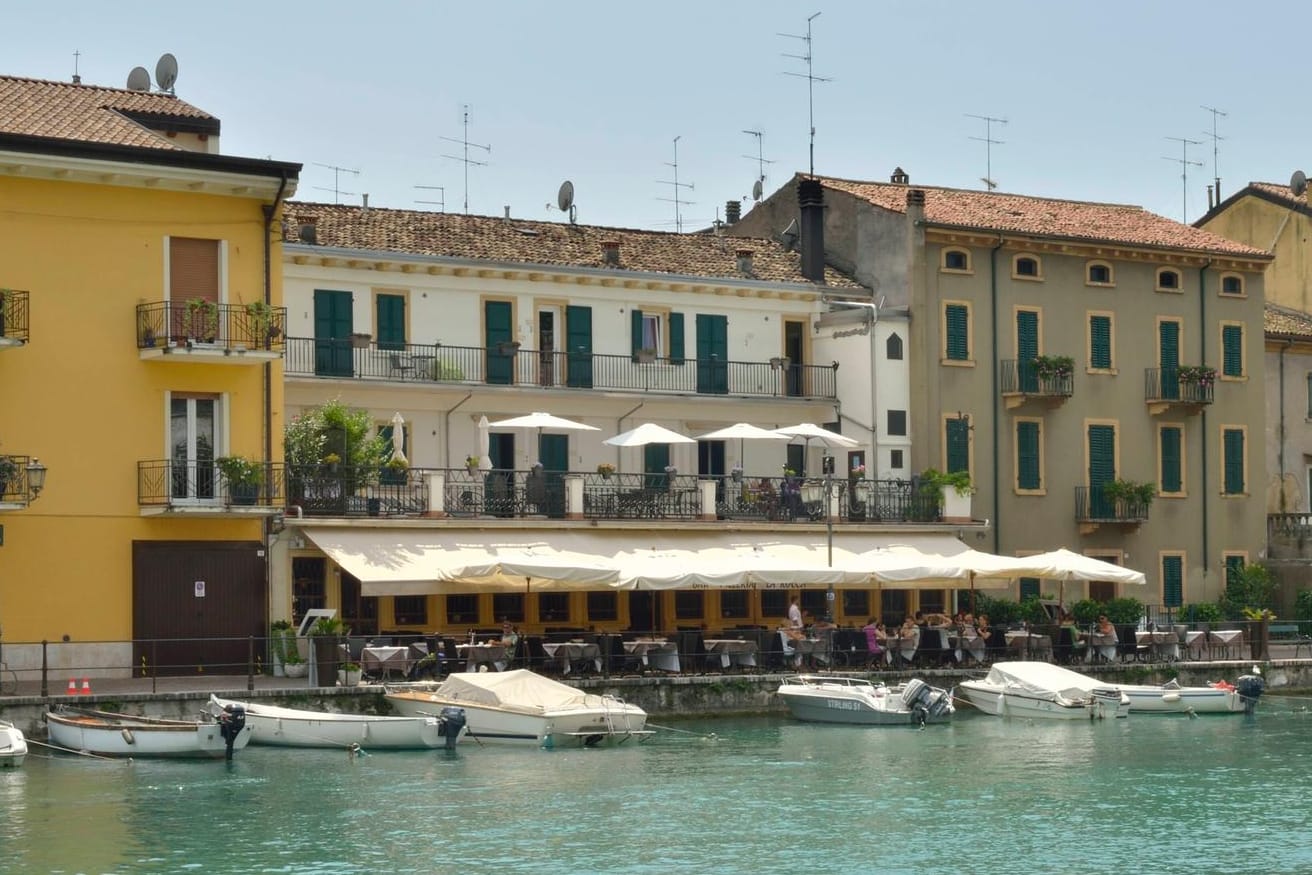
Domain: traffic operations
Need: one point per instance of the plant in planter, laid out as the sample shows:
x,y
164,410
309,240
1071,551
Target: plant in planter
x,y
262,321
1053,366
279,631
325,635
471,463
1130,491
349,674
605,469
1197,375
200,320
242,476
856,472
957,481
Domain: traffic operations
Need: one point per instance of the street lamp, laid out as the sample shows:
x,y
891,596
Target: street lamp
x,y
36,478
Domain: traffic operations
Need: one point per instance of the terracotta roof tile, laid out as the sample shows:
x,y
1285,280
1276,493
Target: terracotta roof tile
x,y
1075,220
1280,192
90,113
1286,322
524,241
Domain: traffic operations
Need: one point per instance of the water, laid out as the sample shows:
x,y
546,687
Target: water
x,y
765,796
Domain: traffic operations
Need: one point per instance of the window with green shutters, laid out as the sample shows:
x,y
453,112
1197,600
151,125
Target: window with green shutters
x,y
390,313
1172,581
957,322
1172,478
1029,588
1027,456
1232,350
1233,449
957,438
1100,342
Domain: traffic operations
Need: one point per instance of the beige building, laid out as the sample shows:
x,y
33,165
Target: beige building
x,y
1064,353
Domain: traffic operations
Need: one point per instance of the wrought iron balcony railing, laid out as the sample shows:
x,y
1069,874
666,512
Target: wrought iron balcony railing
x,y
13,317
1177,386
1092,505
507,364
201,484
1027,378
18,485
254,326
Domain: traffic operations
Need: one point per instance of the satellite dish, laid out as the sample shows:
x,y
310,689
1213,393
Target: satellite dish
x,y
757,190
1298,183
138,79
565,197
166,72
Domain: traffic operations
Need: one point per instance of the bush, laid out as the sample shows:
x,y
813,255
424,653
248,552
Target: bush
x,y
1124,611
1033,612
1202,612
1303,609
1250,587
1001,612
1086,612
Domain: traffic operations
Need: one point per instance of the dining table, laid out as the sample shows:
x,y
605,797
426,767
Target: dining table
x,y
1161,646
1103,645
1228,643
731,651
572,654
813,650
383,660
1195,643
654,653
1029,645
901,649
486,654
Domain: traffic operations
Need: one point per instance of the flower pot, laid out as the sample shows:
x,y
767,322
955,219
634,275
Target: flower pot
x,y
244,493
373,506
956,507
296,669
348,678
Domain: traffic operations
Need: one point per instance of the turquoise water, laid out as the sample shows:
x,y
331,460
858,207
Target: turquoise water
x,y
764,796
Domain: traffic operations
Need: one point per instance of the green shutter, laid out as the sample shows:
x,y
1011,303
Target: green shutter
x,y
1232,351
498,329
1170,461
676,338
578,339
1100,342
390,313
1102,469
1027,455
1172,581
958,324
1029,588
1027,349
1234,461
958,444
635,331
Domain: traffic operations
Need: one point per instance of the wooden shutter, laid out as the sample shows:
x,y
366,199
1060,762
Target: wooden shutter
x,y
958,323
1027,455
635,331
1234,461
578,339
1029,588
1170,461
958,444
391,321
1100,342
1172,581
676,339
1232,351
193,269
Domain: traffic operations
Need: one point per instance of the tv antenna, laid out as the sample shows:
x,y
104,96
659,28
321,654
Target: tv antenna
x,y
1184,163
1216,140
77,78
989,143
440,203
758,187
337,179
466,160
675,186
810,78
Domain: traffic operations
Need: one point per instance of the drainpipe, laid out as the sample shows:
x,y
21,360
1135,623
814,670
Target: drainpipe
x,y
446,429
266,389
997,487
1202,359
619,428
1280,446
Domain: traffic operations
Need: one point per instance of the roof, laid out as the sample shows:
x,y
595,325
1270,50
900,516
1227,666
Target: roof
x,y
1284,322
94,114
1276,193
418,232
1046,217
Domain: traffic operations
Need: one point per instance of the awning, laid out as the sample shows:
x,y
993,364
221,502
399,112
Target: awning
x,y
417,562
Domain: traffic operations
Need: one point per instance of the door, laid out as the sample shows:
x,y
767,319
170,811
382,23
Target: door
x,y
710,463
1102,470
578,337
191,448
795,350
498,337
498,485
548,317
655,459
332,333
553,453
712,355
1027,349
1168,358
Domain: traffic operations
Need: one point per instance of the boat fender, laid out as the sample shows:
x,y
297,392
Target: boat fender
x,y
127,735
1171,698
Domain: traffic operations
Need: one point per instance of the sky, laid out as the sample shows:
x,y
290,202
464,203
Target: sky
x,y
1096,96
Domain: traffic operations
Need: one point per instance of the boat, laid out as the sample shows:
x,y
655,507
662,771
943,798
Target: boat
x,y
833,699
13,746
1040,689
292,727
107,733
523,707
1220,697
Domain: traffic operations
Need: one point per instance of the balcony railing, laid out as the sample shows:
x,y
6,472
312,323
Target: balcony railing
x,y
1025,378
15,482
201,485
1093,506
1166,387
509,365
13,317
205,324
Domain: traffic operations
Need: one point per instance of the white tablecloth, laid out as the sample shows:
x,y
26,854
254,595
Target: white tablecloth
x,y
569,652
1102,645
477,655
1027,644
1226,642
1162,645
732,651
657,653
1195,644
386,660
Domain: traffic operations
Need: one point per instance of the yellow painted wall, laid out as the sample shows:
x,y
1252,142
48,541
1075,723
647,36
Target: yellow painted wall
x,y
1284,232
79,396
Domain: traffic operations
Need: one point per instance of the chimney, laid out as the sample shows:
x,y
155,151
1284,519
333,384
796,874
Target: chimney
x,y
610,252
915,206
811,201
307,229
733,211
899,177
364,206
744,261
507,216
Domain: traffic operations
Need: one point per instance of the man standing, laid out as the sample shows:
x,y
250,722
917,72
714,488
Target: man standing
x,y
794,614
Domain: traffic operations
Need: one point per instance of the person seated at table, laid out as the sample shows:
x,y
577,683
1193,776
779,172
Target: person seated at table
x,y
908,640
1105,626
509,635
794,614
876,637
937,618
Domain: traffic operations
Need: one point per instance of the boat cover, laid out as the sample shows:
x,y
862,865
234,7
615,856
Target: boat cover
x,y
518,688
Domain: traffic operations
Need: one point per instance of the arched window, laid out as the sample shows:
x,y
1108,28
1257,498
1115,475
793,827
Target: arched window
x,y
1232,284
893,347
1099,273
1168,280
956,259
1027,267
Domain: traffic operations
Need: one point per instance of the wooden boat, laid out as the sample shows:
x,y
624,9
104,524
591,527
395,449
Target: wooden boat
x,y
13,746
107,733
835,699
292,727
1219,697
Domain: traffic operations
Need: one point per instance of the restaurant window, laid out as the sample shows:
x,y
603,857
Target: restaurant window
x,y
774,603
892,606
553,606
813,602
856,603
508,606
933,601
733,603
359,613
462,608
603,606
308,574
688,604
410,610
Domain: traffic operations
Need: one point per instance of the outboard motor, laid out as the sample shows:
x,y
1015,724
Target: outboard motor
x,y
1250,688
232,720
453,722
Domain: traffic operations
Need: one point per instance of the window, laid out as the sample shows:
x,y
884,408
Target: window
x,y
956,441
553,606
1029,588
893,348
897,422
1170,459
508,606
462,609
1026,267
308,574
1234,566
956,332
603,606
1172,580
1099,274
1232,284
813,602
1100,342
895,459
390,321
1168,280
733,603
688,604
193,430
856,603
774,603
410,610
956,259
1029,455
658,331
1232,350
1232,450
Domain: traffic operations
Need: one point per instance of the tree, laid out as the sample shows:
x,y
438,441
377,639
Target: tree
x,y
1247,587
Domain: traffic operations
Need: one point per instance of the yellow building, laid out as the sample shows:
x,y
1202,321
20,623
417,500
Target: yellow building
x,y
145,342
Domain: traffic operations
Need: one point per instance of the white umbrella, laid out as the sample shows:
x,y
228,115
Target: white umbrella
x,y
809,431
398,438
648,433
484,445
542,421
743,431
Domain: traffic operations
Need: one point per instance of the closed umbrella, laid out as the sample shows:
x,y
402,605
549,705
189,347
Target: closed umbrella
x,y
484,444
744,432
398,439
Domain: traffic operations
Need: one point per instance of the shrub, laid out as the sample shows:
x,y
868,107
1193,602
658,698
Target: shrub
x,y
1250,587
1202,612
1124,611
1086,612
1002,612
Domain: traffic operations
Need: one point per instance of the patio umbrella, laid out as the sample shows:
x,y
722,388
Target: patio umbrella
x,y
484,445
542,421
1063,565
398,438
809,431
744,432
648,433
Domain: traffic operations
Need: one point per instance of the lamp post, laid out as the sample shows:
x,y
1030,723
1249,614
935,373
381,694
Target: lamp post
x,y
827,466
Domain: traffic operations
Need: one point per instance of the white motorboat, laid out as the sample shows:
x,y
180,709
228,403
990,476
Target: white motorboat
x,y
833,699
1220,697
107,733
292,727
13,746
521,707
1040,689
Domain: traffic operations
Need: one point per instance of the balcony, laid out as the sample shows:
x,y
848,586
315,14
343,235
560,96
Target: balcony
x,y
360,358
13,318
199,489
1187,388
1094,509
1030,380
21,481
202,331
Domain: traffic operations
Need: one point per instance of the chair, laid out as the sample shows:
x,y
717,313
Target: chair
x,y
692,652
538,660
402,365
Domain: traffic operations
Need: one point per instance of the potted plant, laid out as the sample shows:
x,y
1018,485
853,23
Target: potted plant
x,y
1053,366
325,638
349,674
396,470
294,665
261,317
279,631
361,340
242,476
1130,491
201,320
1197,375
471,463
953,490
332,460
857,472
1204,615
736,473
645,356
10,475
605,469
